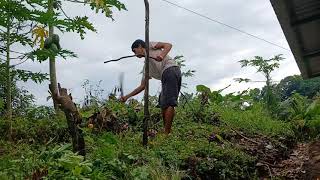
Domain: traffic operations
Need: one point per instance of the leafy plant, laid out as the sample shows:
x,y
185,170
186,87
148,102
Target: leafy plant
x,y
188,73
206,94
266,67
16,17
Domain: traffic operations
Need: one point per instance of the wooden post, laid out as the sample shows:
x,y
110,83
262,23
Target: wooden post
x,y
8,76
146,76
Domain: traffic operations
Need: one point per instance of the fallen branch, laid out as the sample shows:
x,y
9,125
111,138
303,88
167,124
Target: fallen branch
x,y
244,137
269,164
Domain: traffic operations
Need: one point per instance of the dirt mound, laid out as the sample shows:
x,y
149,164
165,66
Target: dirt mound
x,y
313,165
280,158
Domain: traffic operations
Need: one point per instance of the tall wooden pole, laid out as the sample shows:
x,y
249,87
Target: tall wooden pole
x,y
8,76
146,77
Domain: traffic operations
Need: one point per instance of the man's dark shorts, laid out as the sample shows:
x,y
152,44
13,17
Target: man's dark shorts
x,y
171,85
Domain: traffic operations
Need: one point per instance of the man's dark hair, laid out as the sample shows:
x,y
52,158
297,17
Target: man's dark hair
x,y
138,43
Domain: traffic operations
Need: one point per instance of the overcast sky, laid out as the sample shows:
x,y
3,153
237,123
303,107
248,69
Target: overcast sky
x,y
209,48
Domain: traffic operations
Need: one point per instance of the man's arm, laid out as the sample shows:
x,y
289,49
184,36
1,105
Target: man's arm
x,y
165,47
134,92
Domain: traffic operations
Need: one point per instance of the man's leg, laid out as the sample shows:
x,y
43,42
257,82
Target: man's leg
x,y
171,83
163,117
168,115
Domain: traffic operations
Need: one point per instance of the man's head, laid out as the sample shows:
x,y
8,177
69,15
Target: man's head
x,y
138,47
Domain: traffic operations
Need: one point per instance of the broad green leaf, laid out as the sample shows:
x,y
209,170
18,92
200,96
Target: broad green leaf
x,y
203,88
87,114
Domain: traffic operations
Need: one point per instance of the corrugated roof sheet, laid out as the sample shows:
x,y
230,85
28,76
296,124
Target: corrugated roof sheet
x,y
300,22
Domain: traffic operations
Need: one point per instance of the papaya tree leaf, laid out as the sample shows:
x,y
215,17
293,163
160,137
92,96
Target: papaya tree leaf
x,y
40,34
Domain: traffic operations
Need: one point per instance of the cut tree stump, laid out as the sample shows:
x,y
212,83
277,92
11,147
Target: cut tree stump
x,y
73,117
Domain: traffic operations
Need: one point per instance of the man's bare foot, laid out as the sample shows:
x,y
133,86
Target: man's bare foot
x,y
152,132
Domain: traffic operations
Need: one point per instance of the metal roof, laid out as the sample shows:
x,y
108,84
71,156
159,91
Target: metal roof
x,y
300,22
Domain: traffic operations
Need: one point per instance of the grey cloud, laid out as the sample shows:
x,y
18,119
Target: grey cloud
x,y
209,48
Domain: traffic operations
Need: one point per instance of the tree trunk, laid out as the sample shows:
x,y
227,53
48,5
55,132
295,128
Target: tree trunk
x,y
8,74
268,93
73,117
52,60
146,76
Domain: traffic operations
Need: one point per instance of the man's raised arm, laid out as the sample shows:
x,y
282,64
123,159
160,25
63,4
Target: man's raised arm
x,y
165,47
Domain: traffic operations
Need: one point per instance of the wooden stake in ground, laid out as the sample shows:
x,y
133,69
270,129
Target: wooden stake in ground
x,y
8,78
146,77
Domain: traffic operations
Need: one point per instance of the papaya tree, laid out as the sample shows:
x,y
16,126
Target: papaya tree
x,y
49,48
266,67
16,20
56,17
